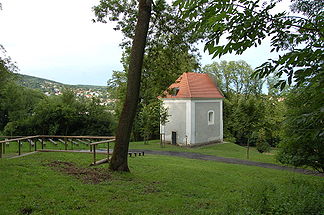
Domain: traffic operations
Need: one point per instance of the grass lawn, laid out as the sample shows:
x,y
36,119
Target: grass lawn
x,y
156,185
229,150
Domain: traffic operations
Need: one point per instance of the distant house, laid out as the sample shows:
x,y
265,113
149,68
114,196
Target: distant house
x,y
195,106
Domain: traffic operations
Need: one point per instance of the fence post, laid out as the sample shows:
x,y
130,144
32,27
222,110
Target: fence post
x,y
248,150
65,142
4,147
42,143
29,145
164,140
94,154
108,152
1,146
19,147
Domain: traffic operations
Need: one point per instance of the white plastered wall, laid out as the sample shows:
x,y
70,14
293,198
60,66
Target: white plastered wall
x,y
178,121
183,120
202,131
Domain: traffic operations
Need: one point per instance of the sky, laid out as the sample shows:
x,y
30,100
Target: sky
x,y
57,40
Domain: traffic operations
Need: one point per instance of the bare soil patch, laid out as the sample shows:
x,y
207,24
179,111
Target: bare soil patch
x,y
26,210
86,175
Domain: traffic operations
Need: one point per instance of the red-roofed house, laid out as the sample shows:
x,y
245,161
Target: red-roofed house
x,y
195,106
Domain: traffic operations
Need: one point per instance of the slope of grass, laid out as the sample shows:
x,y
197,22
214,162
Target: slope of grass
x,y
156,185
229,150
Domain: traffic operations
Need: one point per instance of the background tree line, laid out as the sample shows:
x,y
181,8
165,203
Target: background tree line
x,y
253,108
30,112
25,111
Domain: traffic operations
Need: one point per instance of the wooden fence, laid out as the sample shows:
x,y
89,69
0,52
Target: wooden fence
x,y
91,141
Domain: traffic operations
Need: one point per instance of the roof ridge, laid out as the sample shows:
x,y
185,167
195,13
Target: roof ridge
x,y
214,82
197,85
189,90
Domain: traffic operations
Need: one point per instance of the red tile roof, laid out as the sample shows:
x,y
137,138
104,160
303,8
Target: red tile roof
x,y
193,85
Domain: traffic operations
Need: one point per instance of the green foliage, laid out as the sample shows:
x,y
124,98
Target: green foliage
x,y
161,68
67,115
169,53
17,105
117,90
7,69
303,134
234,77
25,111
151,116
148,116
166,26
246,109
262,145
246,115
30,112
7,66
245,23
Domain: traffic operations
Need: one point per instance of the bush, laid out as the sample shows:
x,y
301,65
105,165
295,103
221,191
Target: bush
x,y
303,136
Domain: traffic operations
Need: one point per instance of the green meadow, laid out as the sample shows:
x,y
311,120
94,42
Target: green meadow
x,y
63,183
229,150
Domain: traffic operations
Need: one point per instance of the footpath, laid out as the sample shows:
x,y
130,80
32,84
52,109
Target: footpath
x,y
198,156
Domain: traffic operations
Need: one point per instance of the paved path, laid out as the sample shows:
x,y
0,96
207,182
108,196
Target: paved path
x,y
192,155
198,156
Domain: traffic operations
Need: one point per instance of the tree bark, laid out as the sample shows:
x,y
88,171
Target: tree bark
x,y
119,158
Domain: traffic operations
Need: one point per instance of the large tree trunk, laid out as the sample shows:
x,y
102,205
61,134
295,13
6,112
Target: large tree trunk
x,y
120,154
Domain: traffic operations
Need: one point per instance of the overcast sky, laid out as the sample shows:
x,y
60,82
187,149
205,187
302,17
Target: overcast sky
x,y
57,40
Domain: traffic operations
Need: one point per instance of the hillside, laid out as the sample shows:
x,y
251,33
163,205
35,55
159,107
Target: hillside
x,y
63,183
49,87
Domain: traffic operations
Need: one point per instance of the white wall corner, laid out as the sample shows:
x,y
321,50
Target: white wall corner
x,y
221,120
188,121
193,122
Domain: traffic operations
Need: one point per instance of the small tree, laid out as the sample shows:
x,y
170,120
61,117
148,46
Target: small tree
x,y
261,144
151,116
163,120
147,120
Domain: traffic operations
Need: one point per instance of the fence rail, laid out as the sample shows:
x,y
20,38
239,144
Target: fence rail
x,y
18,139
